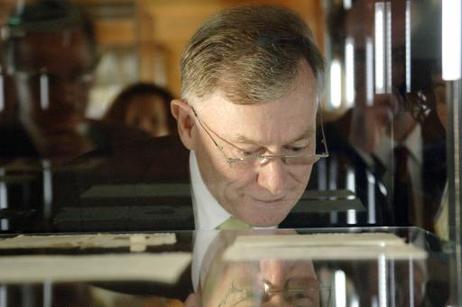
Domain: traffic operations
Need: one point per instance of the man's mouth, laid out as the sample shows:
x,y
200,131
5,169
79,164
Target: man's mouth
x,y
268,200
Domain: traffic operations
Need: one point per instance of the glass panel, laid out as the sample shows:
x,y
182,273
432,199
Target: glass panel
x,y
88,143
317,267
387,135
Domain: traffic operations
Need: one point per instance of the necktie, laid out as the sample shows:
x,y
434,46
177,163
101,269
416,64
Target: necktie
x,y
402,187
233,223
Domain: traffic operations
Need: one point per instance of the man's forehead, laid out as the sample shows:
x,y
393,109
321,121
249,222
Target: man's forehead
x,y
277,122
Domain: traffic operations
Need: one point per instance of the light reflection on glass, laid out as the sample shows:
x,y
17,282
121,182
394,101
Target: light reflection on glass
x,y
340,288
388,61
347,4
47,188
322,175
379,47
369,72
382,267
408,46
350,72
3,297
335,84
2,91
354,301
371,198
351,185
451,39
411,283
383,63
47,294
44,92
333,173
4,223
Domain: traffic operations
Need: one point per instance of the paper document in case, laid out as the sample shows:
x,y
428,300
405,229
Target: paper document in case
x,y
322,246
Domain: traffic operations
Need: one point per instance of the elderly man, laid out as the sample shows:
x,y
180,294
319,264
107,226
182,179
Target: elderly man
x,y
250,89
247,115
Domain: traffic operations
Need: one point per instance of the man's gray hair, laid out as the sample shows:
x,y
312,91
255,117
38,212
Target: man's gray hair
x,y
251,53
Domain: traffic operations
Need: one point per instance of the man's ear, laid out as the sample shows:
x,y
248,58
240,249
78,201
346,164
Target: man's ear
x,y
185,123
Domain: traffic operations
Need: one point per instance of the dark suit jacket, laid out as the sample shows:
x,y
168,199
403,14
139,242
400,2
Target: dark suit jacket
x,y
345,157
122,157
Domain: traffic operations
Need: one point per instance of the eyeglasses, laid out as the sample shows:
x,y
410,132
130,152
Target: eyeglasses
x,y
83,78
236,156
296,292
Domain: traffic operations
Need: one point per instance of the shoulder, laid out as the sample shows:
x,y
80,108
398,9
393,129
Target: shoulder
x,y
130,155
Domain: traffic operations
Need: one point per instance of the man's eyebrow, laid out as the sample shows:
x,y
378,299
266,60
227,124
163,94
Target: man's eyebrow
x,y
305,135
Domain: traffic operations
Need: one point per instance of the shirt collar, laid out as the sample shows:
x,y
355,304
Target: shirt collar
x,y
208,213
413,143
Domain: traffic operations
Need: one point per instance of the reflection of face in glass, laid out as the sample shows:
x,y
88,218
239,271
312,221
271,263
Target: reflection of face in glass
x,y
52,72
266,283
149,114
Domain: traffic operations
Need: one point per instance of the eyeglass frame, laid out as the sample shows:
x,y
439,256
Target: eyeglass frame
x,y
269,290
261,158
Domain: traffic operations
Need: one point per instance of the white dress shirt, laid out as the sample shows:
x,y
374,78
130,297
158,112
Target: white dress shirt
x,y
208,213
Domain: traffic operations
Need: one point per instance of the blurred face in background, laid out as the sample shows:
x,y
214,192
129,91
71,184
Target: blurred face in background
x,y
53,75
148,113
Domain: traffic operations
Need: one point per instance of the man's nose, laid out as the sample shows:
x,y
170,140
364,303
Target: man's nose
x,y
69,95
272,176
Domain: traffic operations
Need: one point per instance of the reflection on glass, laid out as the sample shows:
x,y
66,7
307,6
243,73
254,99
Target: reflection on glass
x,y
4,224
335,84
451,42
47,189
2,91
382,16
347,4
379,47
44,92
408,44
351,186
371,198
333,172
382,281
350,72
297,291
369,72
340,288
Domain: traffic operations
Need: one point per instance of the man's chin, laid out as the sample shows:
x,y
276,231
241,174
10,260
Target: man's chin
x,y
264,220
260,213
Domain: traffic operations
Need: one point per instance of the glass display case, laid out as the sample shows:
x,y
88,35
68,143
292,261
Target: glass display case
x,y
96,205
303,267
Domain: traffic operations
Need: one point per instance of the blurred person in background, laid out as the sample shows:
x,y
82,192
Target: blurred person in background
x,y
389,138
49,53
145,106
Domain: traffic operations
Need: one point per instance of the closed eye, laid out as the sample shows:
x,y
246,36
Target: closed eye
x,y
251,152
296,148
